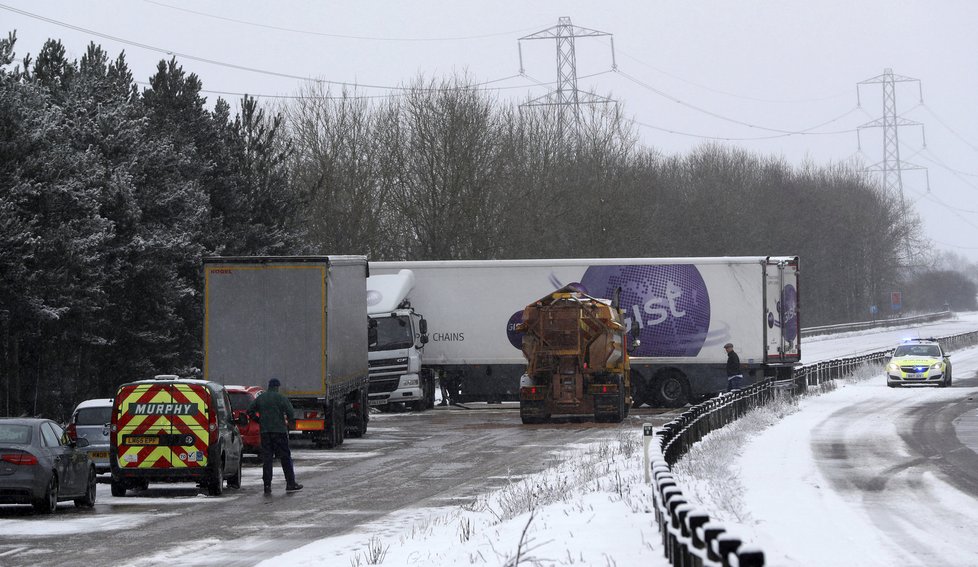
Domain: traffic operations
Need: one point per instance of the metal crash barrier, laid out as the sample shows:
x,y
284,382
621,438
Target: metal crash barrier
x,y
690,537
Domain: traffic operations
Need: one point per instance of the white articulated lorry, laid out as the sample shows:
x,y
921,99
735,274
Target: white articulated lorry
x,y
686,309
300,319
396,373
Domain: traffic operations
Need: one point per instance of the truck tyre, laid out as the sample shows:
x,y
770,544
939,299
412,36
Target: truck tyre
x,y
335,423
529,419
640,390
118,488
671,390
358,427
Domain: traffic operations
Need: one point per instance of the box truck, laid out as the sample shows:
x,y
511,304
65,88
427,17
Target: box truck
x,y
302,320
686,310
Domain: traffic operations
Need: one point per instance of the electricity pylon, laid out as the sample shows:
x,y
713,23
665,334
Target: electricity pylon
x,y
566,97
892,166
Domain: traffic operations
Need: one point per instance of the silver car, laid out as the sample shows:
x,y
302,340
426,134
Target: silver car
x,y
91,420
40,465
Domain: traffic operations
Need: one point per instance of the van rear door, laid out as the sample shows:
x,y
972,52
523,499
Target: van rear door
x,y
162,425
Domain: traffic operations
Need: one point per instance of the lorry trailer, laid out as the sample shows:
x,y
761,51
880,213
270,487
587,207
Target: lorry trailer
x,y
686,310
301,319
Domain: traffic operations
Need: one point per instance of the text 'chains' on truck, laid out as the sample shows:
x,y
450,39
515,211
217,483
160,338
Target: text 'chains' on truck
x,y
301,319
396,374
686,309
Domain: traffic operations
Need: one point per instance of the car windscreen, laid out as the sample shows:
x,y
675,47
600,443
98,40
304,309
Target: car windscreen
x,y
240,400
15,433
93,416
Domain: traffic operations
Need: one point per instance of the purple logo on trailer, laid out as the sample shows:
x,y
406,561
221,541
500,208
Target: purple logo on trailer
x,y
670,303
789,312
515,339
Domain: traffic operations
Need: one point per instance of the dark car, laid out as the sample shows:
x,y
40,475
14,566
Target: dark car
x,y
41,465
91,421
241,398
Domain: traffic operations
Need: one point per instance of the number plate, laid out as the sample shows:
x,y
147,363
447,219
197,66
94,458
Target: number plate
x,y
141,440
99,454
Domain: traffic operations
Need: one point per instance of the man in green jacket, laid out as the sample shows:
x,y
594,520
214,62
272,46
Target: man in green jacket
x,y
274,414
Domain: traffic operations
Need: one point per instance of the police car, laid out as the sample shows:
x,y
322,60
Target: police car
x,y
919,361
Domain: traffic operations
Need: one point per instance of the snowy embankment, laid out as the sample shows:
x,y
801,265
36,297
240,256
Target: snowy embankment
x,y
592,507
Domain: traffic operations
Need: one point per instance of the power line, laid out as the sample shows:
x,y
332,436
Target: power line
x,y
188,56
781,132
335,35
727,93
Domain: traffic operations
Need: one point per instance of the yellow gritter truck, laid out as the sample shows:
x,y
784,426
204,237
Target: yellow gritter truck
x,y
577,358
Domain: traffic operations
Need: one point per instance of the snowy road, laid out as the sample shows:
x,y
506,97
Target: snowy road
x,y
873,475
441,458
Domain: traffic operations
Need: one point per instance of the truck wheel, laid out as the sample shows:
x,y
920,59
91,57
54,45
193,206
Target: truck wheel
x,y
118,488
530,413
640,390
671,390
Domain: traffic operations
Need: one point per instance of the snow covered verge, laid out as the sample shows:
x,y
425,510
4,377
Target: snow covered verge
x,y
709,474
591,507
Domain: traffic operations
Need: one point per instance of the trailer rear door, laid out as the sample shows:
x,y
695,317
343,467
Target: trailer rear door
x,y
781,322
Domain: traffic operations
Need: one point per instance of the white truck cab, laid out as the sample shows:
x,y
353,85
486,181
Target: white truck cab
x,y
396,375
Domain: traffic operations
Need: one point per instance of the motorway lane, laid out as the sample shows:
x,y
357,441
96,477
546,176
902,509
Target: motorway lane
x,y
907,459
443,457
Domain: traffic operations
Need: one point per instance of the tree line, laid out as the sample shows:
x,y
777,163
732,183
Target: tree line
x,y
111,194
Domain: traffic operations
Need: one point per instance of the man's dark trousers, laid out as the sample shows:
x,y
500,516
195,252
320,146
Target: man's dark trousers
x,y
276,445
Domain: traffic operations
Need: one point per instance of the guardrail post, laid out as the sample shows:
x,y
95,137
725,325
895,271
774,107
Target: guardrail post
x,y
726,545
750,557
647,433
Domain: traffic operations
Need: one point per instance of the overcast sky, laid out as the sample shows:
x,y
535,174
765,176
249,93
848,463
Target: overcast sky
x,y
776,78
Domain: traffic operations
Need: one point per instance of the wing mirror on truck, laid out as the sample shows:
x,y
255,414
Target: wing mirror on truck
x,y
423,329
635,331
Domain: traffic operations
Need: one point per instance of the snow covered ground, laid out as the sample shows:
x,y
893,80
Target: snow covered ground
x,y
593,507
608,521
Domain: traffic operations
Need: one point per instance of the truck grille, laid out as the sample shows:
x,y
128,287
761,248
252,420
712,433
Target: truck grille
x,y
387,367
382,385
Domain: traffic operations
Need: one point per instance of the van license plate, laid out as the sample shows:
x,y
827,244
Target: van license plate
x,y
141,440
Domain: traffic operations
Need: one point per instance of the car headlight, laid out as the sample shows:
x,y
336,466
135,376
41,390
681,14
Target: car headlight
x,y
892,367
939,365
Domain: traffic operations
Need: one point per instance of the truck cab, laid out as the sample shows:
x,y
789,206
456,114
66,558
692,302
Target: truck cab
x,y
396,375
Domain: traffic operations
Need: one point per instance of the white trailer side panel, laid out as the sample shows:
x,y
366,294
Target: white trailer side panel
x,y
687,307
